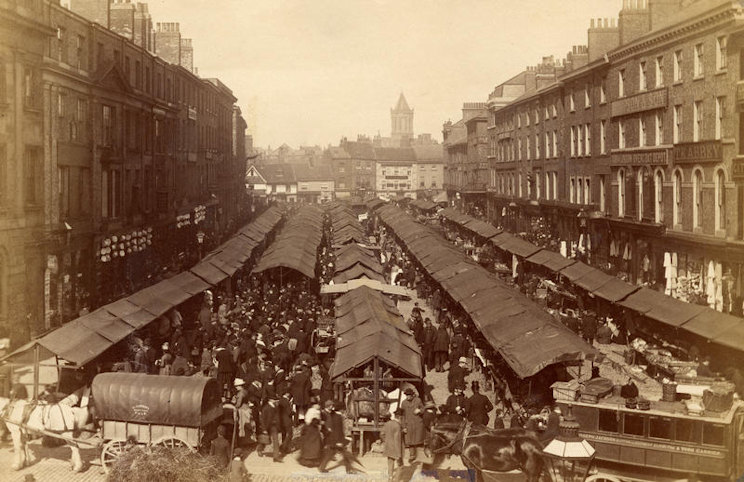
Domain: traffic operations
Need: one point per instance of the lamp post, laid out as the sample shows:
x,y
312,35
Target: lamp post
x,y
570,457
200,240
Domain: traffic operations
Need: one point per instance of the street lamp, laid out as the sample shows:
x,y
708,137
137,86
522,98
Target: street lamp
x,y
200,240
570,457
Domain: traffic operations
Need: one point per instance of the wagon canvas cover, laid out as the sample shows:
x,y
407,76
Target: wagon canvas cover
x,y
156,399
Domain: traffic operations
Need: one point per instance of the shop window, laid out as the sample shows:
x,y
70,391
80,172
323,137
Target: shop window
x,y
677,197
713,434
697,205
659,201
660,428
687,431
609,421
633,424
720,200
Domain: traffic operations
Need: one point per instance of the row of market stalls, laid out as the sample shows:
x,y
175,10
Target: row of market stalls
x,y
296,246
709,325
376,353
525,336
84,339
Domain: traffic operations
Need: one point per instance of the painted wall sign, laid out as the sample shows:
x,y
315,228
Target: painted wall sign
x,y
656,99
640,158
698,152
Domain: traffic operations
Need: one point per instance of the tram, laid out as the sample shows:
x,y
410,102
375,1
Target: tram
x,y
663,442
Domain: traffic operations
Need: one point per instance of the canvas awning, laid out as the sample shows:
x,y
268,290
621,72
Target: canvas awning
x,y
156,399
550,260
614,289
660,307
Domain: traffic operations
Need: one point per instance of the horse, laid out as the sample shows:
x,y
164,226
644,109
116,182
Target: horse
x,y
26,416
486,450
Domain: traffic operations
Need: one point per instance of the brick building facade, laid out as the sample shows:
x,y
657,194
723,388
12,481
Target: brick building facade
x,y
124,149
632,147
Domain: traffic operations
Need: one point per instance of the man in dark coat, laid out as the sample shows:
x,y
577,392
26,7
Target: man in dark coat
x,y
270,425
457,374
441,347
428,347
334,441
285,422
300,388
458,404
589,327
225,370
479,406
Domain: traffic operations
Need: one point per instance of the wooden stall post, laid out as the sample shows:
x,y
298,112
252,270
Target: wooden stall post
x,y
36,371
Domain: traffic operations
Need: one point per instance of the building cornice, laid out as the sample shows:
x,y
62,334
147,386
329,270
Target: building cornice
x,y
714,18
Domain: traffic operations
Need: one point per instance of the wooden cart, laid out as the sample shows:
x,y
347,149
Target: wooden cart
x,y
140,409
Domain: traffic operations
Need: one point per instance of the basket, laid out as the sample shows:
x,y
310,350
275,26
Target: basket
x,y
263,439
669,392
644,404
566,391
631,403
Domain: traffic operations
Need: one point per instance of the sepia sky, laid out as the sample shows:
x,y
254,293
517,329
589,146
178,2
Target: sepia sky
x,y
312,71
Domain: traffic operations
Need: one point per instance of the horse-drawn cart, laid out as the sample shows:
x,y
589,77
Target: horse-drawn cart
x,y
172,411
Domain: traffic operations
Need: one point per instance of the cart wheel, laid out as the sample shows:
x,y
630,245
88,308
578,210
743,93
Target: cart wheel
x,y
171,441
111,451
602,478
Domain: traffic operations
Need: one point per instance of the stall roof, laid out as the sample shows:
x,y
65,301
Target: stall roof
x,y
156,399
660,307
615,290
518,246
375,203
382,346
711,324
482,228
504,316
550,260
356,272
368,326
576,270
732,337
209,273
593,279
189,282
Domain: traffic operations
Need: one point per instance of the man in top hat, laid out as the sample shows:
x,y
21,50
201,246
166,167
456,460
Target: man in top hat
x,y
285,421
413,422
458,404
479,406
300,388
457,374
428,347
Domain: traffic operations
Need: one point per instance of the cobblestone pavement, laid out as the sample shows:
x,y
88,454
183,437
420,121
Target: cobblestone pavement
x,y
52,465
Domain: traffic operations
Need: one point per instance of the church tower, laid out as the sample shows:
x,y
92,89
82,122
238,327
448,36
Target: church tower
x,y
401,119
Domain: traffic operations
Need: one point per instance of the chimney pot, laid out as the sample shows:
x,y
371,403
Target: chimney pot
x,y
591,23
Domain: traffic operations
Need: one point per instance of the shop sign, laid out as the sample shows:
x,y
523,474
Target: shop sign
x,y
656,99
651,445
640,158
737,168
698,152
